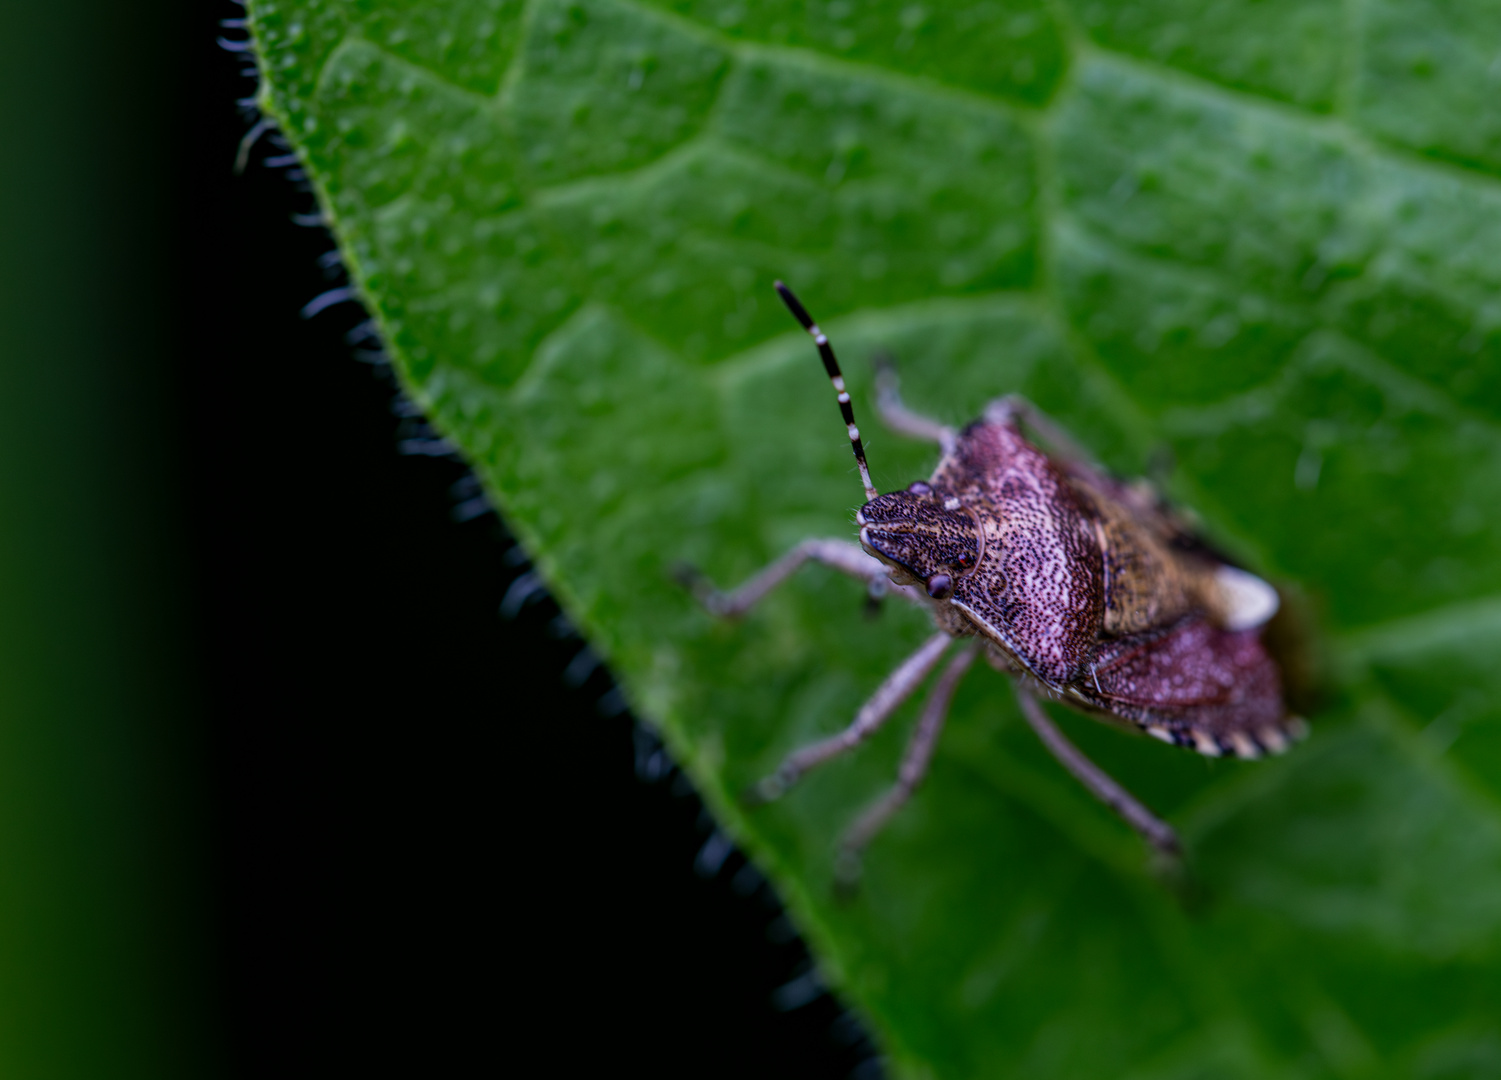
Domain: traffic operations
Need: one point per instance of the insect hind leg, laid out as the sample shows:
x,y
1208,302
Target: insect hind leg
x,y
1156,832
895,414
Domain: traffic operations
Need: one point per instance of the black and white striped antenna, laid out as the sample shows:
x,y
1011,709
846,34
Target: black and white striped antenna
x,y
831,365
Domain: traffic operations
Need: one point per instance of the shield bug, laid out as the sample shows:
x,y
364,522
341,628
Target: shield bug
x,y
1085,589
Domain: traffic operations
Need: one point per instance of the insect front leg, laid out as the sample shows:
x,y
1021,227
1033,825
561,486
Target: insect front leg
x,y
1152,829
842,555
900,419
897,688
914,767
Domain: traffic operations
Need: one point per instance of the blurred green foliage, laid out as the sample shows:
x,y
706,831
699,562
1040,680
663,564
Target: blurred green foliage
x,y
104,930
1263,235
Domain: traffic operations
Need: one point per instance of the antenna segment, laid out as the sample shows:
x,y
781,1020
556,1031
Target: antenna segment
x,y
831,365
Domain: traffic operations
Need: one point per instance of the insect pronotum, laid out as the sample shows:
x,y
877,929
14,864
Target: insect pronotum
x,y
1086,589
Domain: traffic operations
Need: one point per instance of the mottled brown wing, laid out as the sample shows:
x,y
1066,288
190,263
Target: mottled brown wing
x,y
1170,523
1216,691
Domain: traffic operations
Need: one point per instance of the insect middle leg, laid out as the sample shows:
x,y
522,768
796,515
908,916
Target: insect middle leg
x,y
1151,828
1013,407
914,767
895,414
897,688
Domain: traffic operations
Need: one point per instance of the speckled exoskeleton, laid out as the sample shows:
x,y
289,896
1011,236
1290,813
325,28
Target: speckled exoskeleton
x,y
1088,590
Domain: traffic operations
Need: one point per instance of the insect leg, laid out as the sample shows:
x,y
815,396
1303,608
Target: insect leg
x,y
888,697
1013,407
914,767
843,555
895,414
1152,829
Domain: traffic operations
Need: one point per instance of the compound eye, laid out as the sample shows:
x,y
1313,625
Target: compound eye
x,y
940,586
918,487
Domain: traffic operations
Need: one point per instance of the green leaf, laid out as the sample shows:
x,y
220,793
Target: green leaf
x,y
1261,233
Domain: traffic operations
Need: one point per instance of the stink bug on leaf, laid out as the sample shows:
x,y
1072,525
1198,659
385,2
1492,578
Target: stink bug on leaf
x,y
1087,590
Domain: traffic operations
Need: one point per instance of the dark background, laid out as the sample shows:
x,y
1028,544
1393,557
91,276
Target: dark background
x,y
289,796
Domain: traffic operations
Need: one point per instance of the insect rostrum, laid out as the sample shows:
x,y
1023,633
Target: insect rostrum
x,y
1084,588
